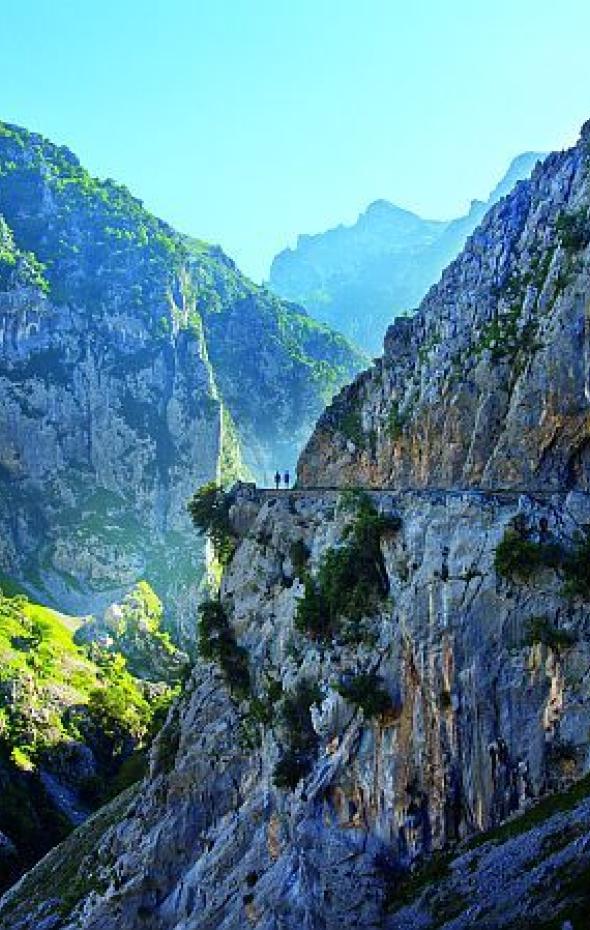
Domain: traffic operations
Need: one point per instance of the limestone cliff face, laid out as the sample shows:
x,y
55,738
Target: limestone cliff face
x,y
487,385
104,433
478,727
293,790
130,362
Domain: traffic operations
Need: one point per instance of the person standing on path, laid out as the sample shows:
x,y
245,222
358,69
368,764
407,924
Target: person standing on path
x,y
277,480
286,479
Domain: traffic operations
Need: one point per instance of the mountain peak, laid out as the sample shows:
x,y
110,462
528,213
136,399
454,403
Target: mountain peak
x,y
520,168
384,207
358,278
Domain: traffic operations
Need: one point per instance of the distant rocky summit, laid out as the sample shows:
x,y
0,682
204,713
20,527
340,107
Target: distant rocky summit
x,y
358,278
388,725
135,365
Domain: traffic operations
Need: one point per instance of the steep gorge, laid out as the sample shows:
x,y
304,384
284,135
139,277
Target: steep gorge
x,y
343,743
135,365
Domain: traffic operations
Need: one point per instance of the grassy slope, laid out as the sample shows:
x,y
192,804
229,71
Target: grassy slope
x,y
55,699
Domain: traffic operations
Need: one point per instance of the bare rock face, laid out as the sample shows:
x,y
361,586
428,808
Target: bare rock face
x,y
483,720
487,385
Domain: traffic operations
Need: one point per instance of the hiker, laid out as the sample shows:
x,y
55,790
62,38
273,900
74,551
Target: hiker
x,y
286,479
277,479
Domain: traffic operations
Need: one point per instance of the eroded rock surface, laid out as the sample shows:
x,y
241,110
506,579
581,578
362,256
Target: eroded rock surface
x,y
482,722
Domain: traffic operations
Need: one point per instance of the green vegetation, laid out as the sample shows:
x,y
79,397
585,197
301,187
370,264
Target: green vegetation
x,y
209,510
519,557
17,266
500,335
538,814
299,555
231,466
133,628
542,630
301,738
395,423
571,890
505,339
53,691
367,692
351,425
403,889
290,769
120,712
576,567
60,703
573,230
104,255
217,643
71,870
352,580
261,713
116,223
571,900
262,709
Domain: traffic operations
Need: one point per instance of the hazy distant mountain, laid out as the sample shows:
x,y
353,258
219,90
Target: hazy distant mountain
x,y
358,278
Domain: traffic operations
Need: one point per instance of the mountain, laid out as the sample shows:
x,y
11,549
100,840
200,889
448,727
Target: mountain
x,y
484,386
388,725
358,278
135,365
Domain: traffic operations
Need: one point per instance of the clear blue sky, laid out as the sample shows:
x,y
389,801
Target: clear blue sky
x,y
245,123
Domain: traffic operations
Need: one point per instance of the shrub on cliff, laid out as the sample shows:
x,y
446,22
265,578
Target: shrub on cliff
x,y
574,230
299,554
395,422
290,769
367,692
216,642
209,511
576,568
542,630
519,557
352,579
296,724
312,615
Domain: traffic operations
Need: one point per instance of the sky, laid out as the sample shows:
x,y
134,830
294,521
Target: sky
x,y
247,122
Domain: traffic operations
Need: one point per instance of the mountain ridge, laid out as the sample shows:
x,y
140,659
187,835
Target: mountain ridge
x,y
135,364
358,277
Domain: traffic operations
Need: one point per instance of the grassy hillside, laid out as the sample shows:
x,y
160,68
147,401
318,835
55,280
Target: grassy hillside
x,y
74,726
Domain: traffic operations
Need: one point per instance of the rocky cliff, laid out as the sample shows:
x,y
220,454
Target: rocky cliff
x,y
358,278
300,803
135,365
389,723
487,385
